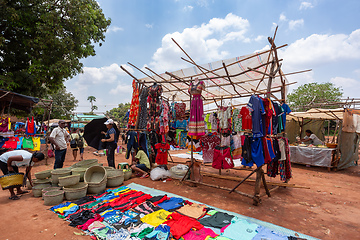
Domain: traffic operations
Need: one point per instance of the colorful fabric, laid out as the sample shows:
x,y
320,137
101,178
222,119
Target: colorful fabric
x,y
143,114
4,124
240,229
194,210
196,122
180,224
208,143
246,118
36,143
236,120
156,218
134,107
30,128
11,143
180,110
222,158
201,234
162,154
155,92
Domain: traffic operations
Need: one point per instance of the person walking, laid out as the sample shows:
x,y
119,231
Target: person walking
x,y
74,137
111,142
10,161
59,137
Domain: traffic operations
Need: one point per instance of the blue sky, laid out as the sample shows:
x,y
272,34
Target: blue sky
x,y
321,35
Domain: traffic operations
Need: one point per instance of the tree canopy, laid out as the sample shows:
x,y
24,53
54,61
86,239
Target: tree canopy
x,y
42,42
310,94
119,113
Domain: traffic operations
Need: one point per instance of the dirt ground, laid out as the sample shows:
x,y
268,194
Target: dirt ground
x,y
325,206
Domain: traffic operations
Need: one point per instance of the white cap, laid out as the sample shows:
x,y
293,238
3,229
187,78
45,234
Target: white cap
x,y
109,121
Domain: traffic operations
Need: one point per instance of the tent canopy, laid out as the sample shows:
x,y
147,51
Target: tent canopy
x,y
318,113
224,79
16,100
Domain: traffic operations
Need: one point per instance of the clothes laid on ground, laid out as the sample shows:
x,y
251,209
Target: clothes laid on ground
x,y
104,217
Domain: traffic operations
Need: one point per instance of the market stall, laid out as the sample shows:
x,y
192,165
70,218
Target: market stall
x,y
339,151
231,89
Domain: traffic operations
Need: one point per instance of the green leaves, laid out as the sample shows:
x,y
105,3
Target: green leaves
x,y
42,42
314,94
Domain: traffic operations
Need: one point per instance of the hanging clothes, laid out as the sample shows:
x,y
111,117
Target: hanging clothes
x,y
246,118
224,120
162,154
286,110
222,158
208,143
4,124
256,107
196,122
36,143
236,149
164,118
143,115
134,107
180,110
30,127
132,142
236,120
155,92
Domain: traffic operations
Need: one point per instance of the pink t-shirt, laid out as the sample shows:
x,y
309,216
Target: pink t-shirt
x,y
201,234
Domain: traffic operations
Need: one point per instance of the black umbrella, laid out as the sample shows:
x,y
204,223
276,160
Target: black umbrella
x,y
92,132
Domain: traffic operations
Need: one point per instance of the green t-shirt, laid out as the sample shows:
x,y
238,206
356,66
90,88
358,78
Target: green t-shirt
x,y
143,158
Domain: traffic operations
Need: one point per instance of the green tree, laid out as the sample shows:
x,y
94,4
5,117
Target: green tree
x,y
313,95
119,113
42,42
64,103
93,107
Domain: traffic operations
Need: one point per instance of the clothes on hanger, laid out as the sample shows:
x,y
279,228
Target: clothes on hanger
x,y
196,120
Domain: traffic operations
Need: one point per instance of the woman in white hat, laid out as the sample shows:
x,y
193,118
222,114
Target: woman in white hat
x,y
111,143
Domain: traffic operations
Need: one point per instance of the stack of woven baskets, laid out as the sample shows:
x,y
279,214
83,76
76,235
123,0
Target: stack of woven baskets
x,y
96,178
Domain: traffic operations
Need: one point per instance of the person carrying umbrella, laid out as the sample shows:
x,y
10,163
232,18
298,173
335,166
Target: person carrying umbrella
x,y
10,161
111,142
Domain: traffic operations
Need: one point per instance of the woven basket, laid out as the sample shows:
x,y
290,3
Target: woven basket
x,y
43,174
37,190
95,174
48,189
127,174
60,172
79,171
41,181
69,180
115,181
85,163
11,180
95,188
54,197
76,191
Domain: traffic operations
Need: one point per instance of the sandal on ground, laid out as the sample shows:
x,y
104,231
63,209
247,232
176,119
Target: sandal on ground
x,y
14,197
145,175
23,192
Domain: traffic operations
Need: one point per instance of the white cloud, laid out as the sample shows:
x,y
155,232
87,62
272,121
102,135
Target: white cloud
x,y
149,25
349,85
260,38
188,8
122,89
282,18
203,43
107,74
319,49
293,24
305,5
115,29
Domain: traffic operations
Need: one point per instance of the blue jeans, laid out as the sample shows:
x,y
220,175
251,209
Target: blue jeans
x,y
59,158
